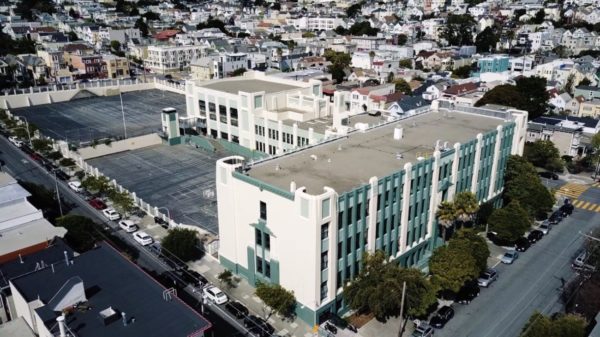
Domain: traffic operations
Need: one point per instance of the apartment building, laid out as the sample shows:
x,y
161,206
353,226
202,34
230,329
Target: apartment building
x,y
164,59
304,219
116,67
493,64
89,66
226,63
262,113
318,23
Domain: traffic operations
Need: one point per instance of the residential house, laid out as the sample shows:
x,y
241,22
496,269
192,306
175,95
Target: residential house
x,y
164,59
588,92
89,66
590,108
367,99
569,134
493,64
116,67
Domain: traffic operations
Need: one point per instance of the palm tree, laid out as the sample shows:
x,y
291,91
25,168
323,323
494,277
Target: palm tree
x,y
465,206
446,215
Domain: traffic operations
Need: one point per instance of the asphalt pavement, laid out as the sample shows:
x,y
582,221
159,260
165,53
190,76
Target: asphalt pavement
x,y
22,167
532,283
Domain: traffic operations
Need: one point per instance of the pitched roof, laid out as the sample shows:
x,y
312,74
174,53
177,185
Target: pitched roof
x,y
461,89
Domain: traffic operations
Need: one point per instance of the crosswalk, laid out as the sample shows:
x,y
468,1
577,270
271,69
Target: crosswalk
x,y
572,190
596,185
590,206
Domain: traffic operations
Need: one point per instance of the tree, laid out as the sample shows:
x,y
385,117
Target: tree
x,y
541,153
465,206
72,13
504,94
226,278
584,81
562,325
484,212
402,39
458,30
510,222
486,41
403,86
81,233
41,145
213,23
151,16
524,185
539,17
339,62
238,72
451,266
96,184
67,162
340,30
121,200
182,243
115,45
406,63
27,7
462,72
467,239
142,26
54,155
354,9
277,299
363,28
377,289
446,216
529,94
569,84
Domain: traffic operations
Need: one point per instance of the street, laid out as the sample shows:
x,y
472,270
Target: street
x,y
531,283
21,167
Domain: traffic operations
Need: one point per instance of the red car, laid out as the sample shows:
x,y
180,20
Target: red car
x,y
97,204
35,157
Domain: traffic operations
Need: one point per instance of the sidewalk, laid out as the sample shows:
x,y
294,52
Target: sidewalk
x,y
388,329
210,268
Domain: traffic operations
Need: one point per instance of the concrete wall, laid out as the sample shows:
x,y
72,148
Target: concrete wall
x,y
120,146
52,94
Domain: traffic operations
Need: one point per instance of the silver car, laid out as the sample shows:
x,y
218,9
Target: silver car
x,y
487,278
510,257
545,227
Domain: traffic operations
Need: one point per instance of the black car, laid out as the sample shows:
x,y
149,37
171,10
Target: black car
x,y
468,292
555,218
60,174
442,316
330,327
567,209
159,221
258,326
535,235
27,149
237,309
522,244
548,175
193,277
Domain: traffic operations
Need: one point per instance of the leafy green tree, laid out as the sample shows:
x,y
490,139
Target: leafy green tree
x,y
543,153
226,278
121,200
462,72
529,94
484,212
182,243
446,216
97,184
406,63
510,222
238,72
524,185
363,28
115,45
377,289
584,81
151,16
41,145
213,23
54,155
451,266
467,239
27,7
354,9
458,30
562,325
486,40
277,299
142,26
340,30
504,94
339,62
67,162
402,39
81,233
539,17
403,86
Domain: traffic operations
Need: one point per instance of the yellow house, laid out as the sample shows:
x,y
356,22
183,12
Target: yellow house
x,y
116,66
590,108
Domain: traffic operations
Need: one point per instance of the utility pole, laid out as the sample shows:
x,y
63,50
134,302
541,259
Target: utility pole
x,y
123,113
402,321
57,193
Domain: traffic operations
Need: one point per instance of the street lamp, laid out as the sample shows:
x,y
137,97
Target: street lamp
x,y
123,113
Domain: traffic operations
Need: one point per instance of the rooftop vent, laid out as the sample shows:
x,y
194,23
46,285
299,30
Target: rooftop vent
x,y
109,315
398,133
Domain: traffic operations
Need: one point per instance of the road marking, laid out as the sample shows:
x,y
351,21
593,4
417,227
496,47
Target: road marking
x,y
576,203
597,209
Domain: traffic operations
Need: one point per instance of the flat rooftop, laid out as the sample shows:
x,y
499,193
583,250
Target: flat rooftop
x,y
248,85
351,161
110,280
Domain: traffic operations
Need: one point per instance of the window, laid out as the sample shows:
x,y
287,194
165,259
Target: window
x,y
202,106
233,112
324,231
258,237
258,102
325,208
340,220
263,210
267,241
259,266
339,279
212,107
323,290
267,269
339,250
324,261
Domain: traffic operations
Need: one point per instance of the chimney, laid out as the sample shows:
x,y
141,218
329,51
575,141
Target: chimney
x,y
61,325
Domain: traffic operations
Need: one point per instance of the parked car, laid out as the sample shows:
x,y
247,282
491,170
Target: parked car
x,y
159,221
423,330
215,295
467,292
567,209
548,175
555,218
237,309
36,157
522,244
441,317
192,277
535,236
258,326
75,186
342,323
60,174
580,259
143,238
28,150
97,204
330,328
487,278
155,248
15,141
128,226
111,214
509,257
545,227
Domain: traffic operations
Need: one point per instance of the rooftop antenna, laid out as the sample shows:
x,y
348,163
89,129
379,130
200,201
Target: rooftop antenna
x,y
124,318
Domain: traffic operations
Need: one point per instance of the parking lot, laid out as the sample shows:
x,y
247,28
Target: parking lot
x,y
180,178
86,119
